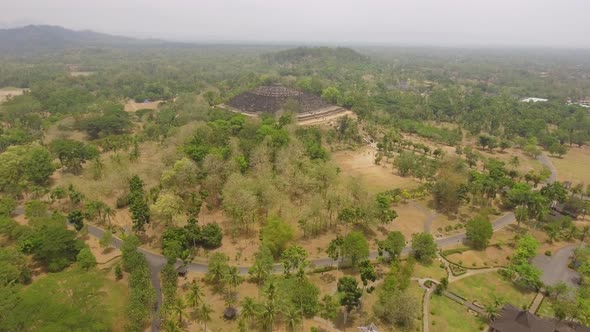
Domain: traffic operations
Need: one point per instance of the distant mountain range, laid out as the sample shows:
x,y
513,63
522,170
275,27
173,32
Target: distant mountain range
x,y
43,38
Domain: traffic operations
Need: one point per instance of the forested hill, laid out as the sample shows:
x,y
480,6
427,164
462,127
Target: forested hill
x,y
41,38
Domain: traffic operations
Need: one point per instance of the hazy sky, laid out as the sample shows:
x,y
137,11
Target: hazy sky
x,y
435,22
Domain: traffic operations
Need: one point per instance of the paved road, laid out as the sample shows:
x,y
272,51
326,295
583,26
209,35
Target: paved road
x,y
155,263
155,259
547,163
555,268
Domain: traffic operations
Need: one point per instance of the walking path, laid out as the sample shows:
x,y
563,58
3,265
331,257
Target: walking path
x,y
426,310
536,302
430,216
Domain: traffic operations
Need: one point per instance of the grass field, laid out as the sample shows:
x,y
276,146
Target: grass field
x,y
433,270
70,293
483,287
574,165
449,316
545,310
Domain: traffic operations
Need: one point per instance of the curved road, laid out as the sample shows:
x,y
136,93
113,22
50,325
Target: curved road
x,y
543,159
155,259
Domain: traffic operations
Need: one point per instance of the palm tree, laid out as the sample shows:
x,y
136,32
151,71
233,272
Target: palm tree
x,y
268,315
242,326
178,307
249,309
172,326
293,317
204,314
258,272
109,213
233,279
195,295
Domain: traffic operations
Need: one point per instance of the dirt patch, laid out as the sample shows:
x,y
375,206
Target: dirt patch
x,y
132,106
6,93
81,73
376,178
104,256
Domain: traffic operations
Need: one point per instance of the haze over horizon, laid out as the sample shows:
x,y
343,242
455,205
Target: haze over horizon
x,y
423,22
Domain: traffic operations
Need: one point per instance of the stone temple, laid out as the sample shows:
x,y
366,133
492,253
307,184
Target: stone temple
x,y
271,99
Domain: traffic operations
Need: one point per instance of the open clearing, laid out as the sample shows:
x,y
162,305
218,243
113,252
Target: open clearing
x,y
376,178
81,73
574,166
6,93
132,106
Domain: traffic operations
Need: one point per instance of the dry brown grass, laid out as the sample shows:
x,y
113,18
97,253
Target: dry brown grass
x,y
132,106
8,92
574,166
59,130
81,73
376,178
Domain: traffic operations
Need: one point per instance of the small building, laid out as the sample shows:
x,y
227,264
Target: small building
x,y
512,319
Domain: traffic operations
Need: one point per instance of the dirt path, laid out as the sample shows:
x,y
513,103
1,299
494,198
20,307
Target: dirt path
x,y
430,216
536,302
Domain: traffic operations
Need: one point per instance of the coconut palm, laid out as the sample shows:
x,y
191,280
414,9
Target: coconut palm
x,y
293,318
269,313
195,295
178,307
108,214
204,314
249,309
171,326
233,279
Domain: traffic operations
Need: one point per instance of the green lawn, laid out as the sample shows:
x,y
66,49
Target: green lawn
x,y
545,310
70,300
483,288
449,316
417,292
433,270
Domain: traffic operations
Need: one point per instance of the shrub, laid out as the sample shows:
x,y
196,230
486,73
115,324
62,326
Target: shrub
x,y
211,236
548,253
122,202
